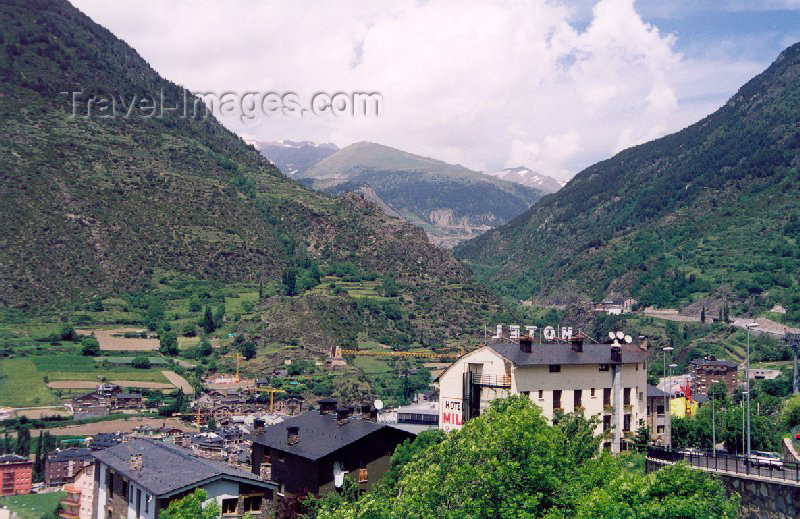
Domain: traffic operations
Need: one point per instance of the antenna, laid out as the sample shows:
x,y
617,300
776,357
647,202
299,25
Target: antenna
x,y
620,335
628,339
612,335
378,404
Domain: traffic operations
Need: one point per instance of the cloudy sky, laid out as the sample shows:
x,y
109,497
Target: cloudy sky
x,y
555,86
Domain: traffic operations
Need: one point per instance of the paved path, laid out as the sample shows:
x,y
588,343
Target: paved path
x,y
179,381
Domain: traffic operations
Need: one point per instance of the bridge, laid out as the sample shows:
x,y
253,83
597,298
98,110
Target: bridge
x,y
766,490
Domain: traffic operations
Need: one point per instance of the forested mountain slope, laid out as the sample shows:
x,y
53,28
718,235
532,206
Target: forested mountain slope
x,y
712,209
94,206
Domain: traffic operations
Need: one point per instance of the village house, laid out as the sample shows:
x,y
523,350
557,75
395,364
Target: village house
x,y
657,420
313,452
61,466
138,479
559,375
78,501
16,475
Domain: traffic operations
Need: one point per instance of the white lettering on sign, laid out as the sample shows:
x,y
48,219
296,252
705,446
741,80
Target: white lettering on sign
x,y
514,331
451,414
548,333
499,334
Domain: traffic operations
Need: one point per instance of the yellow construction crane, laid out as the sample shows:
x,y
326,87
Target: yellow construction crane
x,y
238,356
391,353
271,391
197,416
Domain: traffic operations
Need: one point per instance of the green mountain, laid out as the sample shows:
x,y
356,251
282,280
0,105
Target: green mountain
x,y
709,212
451,202
100,206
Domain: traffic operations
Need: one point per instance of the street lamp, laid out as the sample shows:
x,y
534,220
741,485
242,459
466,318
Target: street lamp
x,y
667,349
747,376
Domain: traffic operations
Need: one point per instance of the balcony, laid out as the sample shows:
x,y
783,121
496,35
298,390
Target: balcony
x,y
491,380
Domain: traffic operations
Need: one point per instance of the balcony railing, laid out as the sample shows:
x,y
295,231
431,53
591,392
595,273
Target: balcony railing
x,y
492,380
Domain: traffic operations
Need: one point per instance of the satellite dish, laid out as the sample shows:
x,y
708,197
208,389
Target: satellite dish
x,y
628,339
612,335
620,335
378,404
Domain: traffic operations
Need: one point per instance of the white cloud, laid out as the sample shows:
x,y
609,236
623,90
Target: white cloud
x,y
486,85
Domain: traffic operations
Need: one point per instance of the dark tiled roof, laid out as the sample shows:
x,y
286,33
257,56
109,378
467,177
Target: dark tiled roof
x,y
319,435
167,469
71,454
12,458
653,391
705,362
128,395
545,354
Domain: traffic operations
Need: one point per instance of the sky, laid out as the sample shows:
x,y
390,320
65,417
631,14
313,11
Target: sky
x,y
553,86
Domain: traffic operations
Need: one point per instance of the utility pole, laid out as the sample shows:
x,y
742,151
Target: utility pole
x,y
747,377
714,425
668,444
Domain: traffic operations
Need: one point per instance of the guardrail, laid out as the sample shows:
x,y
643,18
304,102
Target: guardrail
x,y
492,380
735,464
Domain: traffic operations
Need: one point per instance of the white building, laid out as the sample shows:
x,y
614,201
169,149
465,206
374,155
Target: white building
x,y
567,375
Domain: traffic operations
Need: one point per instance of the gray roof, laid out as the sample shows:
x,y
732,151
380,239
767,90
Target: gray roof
x,y
13,458
653,391
73,453
706,362
168,469
549,353
318,434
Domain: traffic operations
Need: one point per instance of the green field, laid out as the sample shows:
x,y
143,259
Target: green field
x,y
139,375
22,385
33,506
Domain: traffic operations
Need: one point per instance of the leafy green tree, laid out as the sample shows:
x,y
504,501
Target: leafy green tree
x,y
68,333
389,287
97,304
168,343
39,459
510,462
191,507
90,347
208,321
189,330
195,305
248,350
718,392
154,313
141,362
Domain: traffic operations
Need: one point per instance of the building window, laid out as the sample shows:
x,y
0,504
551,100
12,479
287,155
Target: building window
x,y
591,393
659,429
526,394
555,368
660,410
626,422
641,396
138,502
606,396
606,422
146,503
557,399
110,480
604,367
281,456
541,394
229,505
252,504
626,396
362,475
577,399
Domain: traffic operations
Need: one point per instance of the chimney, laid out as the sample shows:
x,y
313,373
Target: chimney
x,y
577,344
616,354
136,461
341,416
292,435
643,342
366,412
525,343
327,406
259,426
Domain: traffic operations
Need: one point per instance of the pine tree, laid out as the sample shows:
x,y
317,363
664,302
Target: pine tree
x,y
23,442
38,464
208,321
703,315
726,313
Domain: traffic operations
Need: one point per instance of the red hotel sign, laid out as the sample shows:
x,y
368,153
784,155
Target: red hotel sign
x,y
452,414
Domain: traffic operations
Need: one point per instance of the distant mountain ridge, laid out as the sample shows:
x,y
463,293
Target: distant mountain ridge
x,y
452,203
294,157
530,178
710,211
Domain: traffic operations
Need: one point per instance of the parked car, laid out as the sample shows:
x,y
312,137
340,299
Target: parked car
x,y
766,459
